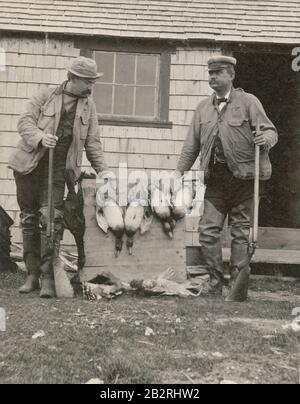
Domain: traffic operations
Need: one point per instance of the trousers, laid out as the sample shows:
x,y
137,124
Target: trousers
x,y
32,196
232,197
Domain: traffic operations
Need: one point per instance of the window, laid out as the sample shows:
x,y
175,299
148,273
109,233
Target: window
x,y
133,87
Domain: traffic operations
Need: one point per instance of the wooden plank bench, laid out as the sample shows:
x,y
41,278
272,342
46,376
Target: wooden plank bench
x,y
275,245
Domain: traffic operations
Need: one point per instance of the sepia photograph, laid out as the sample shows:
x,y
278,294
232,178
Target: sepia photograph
x,y
149,195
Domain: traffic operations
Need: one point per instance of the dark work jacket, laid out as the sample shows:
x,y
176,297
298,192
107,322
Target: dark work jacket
x,y
235,125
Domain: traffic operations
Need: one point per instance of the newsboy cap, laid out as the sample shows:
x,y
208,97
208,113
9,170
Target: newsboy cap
x,y
220,62
85,68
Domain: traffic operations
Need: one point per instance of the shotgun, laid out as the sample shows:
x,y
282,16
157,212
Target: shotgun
x,y
239,291
63,287
50,211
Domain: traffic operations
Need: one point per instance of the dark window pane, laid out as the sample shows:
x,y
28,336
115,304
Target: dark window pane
x,y
146,69
145,101
125,69
102,95
105,63
123,100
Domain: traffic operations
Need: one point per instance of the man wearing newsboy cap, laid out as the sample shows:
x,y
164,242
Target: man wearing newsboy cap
x,y
63,119
223,133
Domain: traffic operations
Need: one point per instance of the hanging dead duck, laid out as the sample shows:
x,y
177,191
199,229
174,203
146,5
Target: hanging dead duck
x,y
137,217
182,202
169,227
111,216
133,220
161,206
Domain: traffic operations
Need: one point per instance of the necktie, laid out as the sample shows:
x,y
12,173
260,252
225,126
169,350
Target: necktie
x,y
73,95
221,100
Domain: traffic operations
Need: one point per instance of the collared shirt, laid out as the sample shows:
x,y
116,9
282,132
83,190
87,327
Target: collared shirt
x,y
218,155
223,104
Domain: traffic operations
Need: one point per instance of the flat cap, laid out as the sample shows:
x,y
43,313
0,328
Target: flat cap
x,y
220,62
85,68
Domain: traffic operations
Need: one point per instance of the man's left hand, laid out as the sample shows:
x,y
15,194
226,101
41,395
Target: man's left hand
x,y
260,140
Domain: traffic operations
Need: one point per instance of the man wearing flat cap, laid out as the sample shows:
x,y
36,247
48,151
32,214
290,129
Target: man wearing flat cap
x,y
223,132
63,119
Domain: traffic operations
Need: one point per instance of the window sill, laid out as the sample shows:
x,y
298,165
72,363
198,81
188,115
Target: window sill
x,y
134,123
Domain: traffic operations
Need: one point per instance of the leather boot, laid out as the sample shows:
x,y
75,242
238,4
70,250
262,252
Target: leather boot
x,y
31,284
233,272
47,257
31,245
214,286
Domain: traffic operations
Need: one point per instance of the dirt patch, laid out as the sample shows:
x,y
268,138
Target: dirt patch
x,y
263,324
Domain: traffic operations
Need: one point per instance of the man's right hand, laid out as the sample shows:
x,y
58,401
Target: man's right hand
x,y
49,141
176,182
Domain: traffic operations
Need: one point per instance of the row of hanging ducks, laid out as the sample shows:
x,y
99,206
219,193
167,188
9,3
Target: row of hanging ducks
x,y
138,215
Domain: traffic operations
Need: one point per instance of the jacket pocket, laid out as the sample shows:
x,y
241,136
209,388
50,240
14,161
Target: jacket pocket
x,y
205,122
25,159
25,147
48,109
47,116
84,121
242,140
237,121
205,129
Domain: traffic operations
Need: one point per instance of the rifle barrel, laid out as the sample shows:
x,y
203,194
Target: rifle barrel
x,y
50,212
256,190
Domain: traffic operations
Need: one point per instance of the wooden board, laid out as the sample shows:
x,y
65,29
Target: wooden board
x,y
153,252
275,245
268,238
289,257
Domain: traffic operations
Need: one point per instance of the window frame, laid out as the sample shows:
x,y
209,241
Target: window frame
x,y
88,49
114,85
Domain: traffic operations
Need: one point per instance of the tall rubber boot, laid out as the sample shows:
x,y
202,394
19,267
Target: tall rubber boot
x,y
47,258
32,246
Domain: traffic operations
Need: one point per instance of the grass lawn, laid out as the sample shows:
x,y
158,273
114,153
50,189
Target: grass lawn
x,y
194,340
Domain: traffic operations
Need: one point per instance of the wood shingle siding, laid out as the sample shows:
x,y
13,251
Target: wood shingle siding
x,y
231,20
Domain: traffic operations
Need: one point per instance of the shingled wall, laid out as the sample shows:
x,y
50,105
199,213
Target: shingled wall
x,y
265,21
32,62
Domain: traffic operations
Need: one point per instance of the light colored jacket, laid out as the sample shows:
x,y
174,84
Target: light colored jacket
x,y
42,116
234,125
